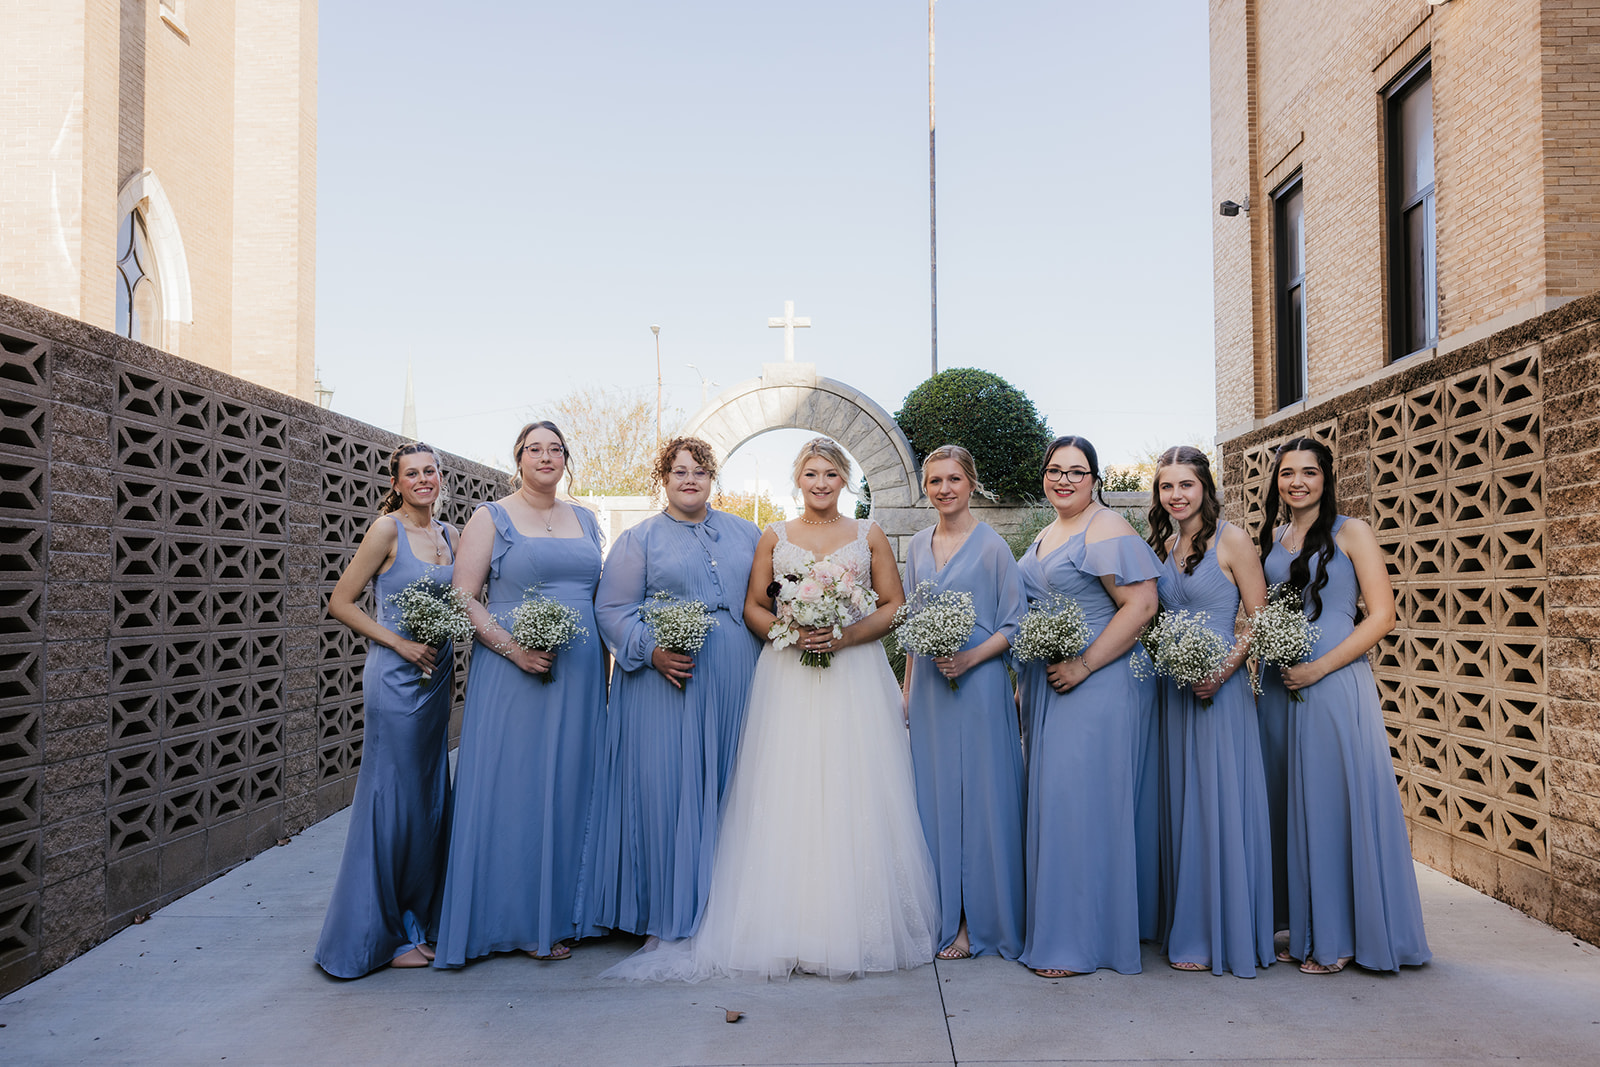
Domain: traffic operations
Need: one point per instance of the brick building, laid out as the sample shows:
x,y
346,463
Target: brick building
x,y
1406,258
159,175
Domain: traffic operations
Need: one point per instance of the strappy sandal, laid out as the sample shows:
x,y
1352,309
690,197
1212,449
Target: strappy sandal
x,y
1189,965
950,952
1313,967
1053,972
558,952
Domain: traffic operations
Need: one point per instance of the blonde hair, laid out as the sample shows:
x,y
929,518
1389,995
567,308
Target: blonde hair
x,y
702,452
964,459
827,448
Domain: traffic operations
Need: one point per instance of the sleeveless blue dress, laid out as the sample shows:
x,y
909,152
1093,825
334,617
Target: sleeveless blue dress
x,y
386,898
668,751
967,753
1352,890
525,769
1084,751
1219,860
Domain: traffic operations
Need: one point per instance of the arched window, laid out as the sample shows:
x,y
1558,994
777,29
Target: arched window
x,y
138,284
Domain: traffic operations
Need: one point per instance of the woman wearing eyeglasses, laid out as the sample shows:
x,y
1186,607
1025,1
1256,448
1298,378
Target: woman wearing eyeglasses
x,y
674,720
525,770
1086,721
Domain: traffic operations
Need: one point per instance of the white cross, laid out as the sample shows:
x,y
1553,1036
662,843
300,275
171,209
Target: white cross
x,y
788,323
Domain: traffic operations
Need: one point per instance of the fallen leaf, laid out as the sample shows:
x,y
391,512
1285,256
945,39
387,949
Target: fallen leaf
x,y
732,1016
283,840
142,917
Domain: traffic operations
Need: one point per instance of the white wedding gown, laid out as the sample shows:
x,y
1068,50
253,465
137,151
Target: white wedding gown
x,y
821,865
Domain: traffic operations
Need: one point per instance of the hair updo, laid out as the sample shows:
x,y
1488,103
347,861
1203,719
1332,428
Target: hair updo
x,y
392,499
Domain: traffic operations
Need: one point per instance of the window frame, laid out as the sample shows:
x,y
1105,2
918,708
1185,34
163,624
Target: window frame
x,y
1401,345
1290,334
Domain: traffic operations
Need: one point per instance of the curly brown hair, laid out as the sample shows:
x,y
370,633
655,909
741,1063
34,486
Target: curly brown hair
x,y
703,454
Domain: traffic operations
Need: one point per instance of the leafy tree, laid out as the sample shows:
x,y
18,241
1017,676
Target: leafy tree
x,y
758,509
987,415
612,436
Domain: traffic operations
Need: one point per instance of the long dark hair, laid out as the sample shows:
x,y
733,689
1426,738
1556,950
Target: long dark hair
x,y
392,500
1210,510
1082,445
1319,538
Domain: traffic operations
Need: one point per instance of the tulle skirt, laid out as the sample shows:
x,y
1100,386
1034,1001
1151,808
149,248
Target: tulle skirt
x,y
821,865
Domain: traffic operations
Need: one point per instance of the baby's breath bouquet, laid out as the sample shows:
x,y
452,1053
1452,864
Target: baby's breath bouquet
x,y
433,613
1182,647
1053,630
935,624
1280,633
545,625
679,626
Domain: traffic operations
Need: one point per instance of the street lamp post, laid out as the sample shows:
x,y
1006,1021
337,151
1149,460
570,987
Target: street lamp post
x,y
657,331
704,381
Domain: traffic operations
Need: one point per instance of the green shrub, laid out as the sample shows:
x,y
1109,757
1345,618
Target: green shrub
x,y
987,415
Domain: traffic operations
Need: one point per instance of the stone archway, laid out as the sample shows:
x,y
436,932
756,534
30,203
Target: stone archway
x,y
792,396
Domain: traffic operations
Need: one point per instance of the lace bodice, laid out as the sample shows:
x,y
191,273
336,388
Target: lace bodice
x,y
855,556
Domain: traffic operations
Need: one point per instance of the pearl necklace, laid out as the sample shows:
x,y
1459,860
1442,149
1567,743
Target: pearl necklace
x,y
820,522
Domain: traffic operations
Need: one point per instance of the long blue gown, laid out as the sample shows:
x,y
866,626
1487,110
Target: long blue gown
x,y
1352,888
1083,752
967,753
386,899
525,769
1220,855
669,752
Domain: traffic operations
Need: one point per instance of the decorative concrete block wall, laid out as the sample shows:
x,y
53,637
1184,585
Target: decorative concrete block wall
x,y
1479,471
173,699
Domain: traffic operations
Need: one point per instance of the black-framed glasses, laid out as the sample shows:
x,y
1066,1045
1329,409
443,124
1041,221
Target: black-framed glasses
x,y
1073,475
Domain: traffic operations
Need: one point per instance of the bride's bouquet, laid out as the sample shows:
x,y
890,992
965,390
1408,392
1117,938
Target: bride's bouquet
x,y
825,595
543,624
1280,633
433,613
1181,647
935,625
1053,630
679,626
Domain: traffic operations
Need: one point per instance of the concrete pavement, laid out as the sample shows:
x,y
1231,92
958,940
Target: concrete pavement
x,y
225,975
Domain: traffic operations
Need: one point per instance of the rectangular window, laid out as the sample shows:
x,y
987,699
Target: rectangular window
x,y
1289,255
1414,278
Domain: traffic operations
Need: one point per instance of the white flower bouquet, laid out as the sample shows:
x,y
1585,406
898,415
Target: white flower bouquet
x,y
1181,647
1053,630
826,595
1280,633
433,613
935,624
679,626
545,625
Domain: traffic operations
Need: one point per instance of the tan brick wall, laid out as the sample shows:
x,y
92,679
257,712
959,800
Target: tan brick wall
x,y
1517,163
98,91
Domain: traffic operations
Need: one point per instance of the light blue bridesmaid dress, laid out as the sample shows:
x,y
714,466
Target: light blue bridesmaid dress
x,y
1352,889
525,769
669,752
1220,858
1083,752
967,753
386,899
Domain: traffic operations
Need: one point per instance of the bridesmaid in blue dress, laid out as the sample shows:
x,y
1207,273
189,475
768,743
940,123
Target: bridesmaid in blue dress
x,y
674,720
1351,885
525,770
385,904
964,744
1219,856
1086,720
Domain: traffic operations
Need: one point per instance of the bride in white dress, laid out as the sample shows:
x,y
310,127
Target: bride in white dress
x,y
821,865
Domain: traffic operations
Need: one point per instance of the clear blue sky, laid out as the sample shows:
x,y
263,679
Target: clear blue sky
x,y
511,193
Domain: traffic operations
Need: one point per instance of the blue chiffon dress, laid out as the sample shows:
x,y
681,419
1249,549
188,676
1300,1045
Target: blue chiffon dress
x,y
1351,885
525,769
1220,858
1083,751
967,752
668,752
386,899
